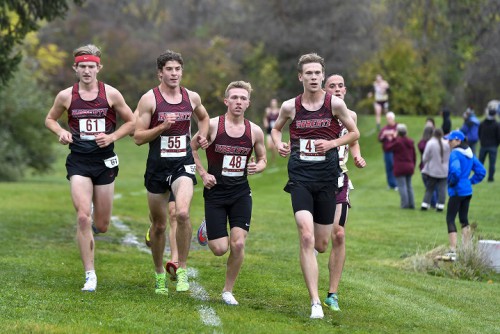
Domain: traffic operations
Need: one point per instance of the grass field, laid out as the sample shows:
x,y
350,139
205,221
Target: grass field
x,y
42,273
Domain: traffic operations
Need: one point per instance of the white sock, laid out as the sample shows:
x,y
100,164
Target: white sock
x,y
90,273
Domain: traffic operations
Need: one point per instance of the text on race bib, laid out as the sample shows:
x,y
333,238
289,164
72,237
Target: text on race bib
x,y
234,165
111,162
90,127
190,169
173,146
308,151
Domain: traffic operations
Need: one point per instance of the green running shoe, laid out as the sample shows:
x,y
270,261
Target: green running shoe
x,y
161,287
332,302
182,280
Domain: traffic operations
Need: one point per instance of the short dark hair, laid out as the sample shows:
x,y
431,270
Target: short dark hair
x,y
169,55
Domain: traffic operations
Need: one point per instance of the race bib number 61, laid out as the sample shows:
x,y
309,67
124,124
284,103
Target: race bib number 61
x,y
90,127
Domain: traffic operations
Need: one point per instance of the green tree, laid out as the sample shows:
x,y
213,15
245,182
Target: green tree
x,y
17,19
24,141
415,88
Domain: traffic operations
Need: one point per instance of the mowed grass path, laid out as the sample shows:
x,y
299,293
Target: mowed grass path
x,y
42,273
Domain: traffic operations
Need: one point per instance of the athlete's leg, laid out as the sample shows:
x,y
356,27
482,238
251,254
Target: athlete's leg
x,y
81,194
308,263
378,113
271,147
463,216
236,256
451,214
103,206
158,215
172,220
183,189
337,255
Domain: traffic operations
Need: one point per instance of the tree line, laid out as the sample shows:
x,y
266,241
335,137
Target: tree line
x,y
434,53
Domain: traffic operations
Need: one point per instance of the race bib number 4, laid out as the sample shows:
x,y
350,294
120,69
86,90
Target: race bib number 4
x,y
234,165
308,151
173,146
90,127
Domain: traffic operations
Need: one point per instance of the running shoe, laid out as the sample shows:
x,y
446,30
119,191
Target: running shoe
x,y
182,280
332,302
171,268
202,233
316,311
147,238
450,256
161,287
228,298
90,284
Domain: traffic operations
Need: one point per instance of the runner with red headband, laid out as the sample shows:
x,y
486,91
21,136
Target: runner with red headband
x,y
92,165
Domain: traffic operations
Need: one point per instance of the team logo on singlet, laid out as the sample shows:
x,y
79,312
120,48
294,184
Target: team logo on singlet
x,y
84,113
313,123
179,116
228,149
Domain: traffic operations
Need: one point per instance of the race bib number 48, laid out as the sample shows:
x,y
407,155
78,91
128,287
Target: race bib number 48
x,y
90,127
308,151
173,146
234,165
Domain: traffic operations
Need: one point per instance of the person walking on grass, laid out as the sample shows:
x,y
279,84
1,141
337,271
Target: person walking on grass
x,y
91,165
405,160
381,97
313,166
164,116
435,161
335,85
462,164
489,137
270,116
228,199
385,136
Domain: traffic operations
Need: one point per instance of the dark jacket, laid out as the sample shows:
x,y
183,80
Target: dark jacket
x,y
489,133
405,157
446,121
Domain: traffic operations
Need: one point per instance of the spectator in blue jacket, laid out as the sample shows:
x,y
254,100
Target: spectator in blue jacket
x,y
462,164
470,128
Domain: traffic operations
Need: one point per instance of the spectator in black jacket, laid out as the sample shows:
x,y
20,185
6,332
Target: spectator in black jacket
x,y
489,137
446,121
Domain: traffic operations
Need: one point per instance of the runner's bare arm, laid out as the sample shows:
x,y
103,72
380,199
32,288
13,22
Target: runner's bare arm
x,y
260,151
145,108
61,104
287,113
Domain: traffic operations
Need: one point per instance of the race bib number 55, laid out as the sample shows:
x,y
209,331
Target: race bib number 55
x,y
173,146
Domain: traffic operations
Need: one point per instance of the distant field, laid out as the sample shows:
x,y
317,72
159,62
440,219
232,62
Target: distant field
x,y
42,272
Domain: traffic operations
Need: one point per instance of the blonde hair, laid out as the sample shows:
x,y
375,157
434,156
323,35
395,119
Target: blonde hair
x,y
310,58
89,49
239,84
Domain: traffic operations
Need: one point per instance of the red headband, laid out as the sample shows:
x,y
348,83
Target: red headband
x,y
83,58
